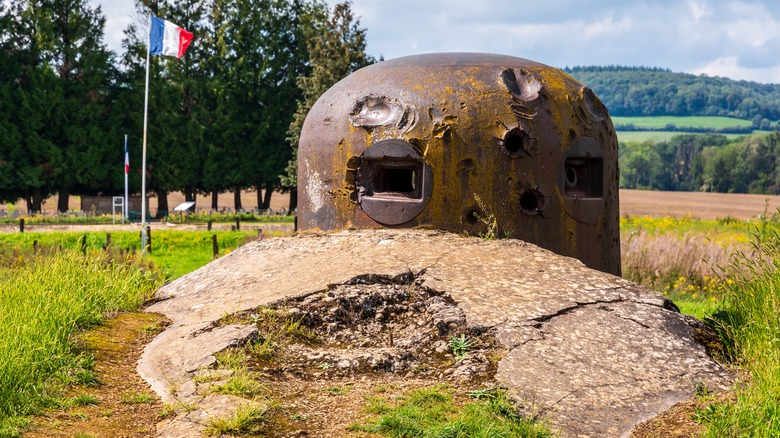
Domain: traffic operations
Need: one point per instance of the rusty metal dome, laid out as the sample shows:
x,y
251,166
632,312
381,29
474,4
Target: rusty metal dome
x,y
466,142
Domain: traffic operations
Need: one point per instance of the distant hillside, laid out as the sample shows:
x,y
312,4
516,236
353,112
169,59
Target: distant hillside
x,y
640,91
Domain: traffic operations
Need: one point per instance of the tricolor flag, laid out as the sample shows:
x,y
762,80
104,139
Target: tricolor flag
x,y
127,160
166,38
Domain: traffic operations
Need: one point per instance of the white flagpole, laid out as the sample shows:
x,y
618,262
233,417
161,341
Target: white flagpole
x,y
143,152
127,206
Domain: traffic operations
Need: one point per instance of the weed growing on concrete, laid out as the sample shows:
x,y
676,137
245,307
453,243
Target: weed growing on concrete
x,y
248,419
486,216
240,383
276,330
460,346
264,349
230,359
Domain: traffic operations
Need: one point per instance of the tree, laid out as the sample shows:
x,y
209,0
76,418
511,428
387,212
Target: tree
x,y
31,161
71,42
336,45
258,56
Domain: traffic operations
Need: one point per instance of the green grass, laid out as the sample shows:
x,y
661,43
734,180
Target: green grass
x,y
134,398
750,326
204,217
659,136
61,219
433,413
241,383
44,302
176,252
683,122
248,419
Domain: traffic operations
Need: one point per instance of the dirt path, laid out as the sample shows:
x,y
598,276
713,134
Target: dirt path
x,y
123,404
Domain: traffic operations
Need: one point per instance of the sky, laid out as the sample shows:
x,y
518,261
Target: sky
x,y
729,38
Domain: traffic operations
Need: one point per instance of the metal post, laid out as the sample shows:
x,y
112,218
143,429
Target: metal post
x,y
127,172
143,151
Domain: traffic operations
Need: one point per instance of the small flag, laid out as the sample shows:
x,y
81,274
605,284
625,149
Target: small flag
x,y
127,161
166,38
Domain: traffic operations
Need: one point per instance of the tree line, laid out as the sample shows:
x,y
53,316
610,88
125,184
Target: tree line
x,y
639,91
225,117
703,162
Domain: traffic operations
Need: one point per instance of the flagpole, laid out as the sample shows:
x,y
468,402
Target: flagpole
x,y
143,152
127,198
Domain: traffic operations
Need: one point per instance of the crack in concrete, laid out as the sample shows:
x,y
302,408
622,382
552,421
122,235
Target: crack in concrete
x,y
577,305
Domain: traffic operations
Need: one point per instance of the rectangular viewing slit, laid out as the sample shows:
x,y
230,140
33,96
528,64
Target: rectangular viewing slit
x,y
584,178
400,180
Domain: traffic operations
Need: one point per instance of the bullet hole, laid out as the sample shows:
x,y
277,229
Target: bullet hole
x,y
516,142
470,216
594,105
531,202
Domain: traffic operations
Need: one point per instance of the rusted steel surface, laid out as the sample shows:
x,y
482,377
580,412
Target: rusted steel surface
x,y
418,141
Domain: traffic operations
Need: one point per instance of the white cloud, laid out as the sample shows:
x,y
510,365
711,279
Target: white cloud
x,y
699,10
733,38
730,67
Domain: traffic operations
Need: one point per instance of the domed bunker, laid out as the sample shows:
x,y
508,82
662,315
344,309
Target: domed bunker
x,y
465,142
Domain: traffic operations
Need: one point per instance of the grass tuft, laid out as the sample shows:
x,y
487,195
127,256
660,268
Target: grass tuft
x,y
85,400
432,412
248,419
241,384
135,398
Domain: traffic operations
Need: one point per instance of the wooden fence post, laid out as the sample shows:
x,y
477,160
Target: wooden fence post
x,y
214,246
108,240
149,238
209,225
35,247
238,224
259,234
84,244
21,225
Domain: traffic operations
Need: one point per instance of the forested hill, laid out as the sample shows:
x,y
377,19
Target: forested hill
x,y
640,91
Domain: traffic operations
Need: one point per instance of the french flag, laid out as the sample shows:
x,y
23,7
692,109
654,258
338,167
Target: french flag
x,y
127,161
166,38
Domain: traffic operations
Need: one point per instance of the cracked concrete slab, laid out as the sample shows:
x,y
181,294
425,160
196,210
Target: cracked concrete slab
x,y
597,352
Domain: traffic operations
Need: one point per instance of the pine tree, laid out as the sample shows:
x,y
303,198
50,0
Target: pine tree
x,y
32,94
71,33
257,59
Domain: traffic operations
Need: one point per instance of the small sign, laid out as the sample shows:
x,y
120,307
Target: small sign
x,y
184,206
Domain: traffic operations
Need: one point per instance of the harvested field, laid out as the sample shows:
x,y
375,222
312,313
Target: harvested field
x,y
700,205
